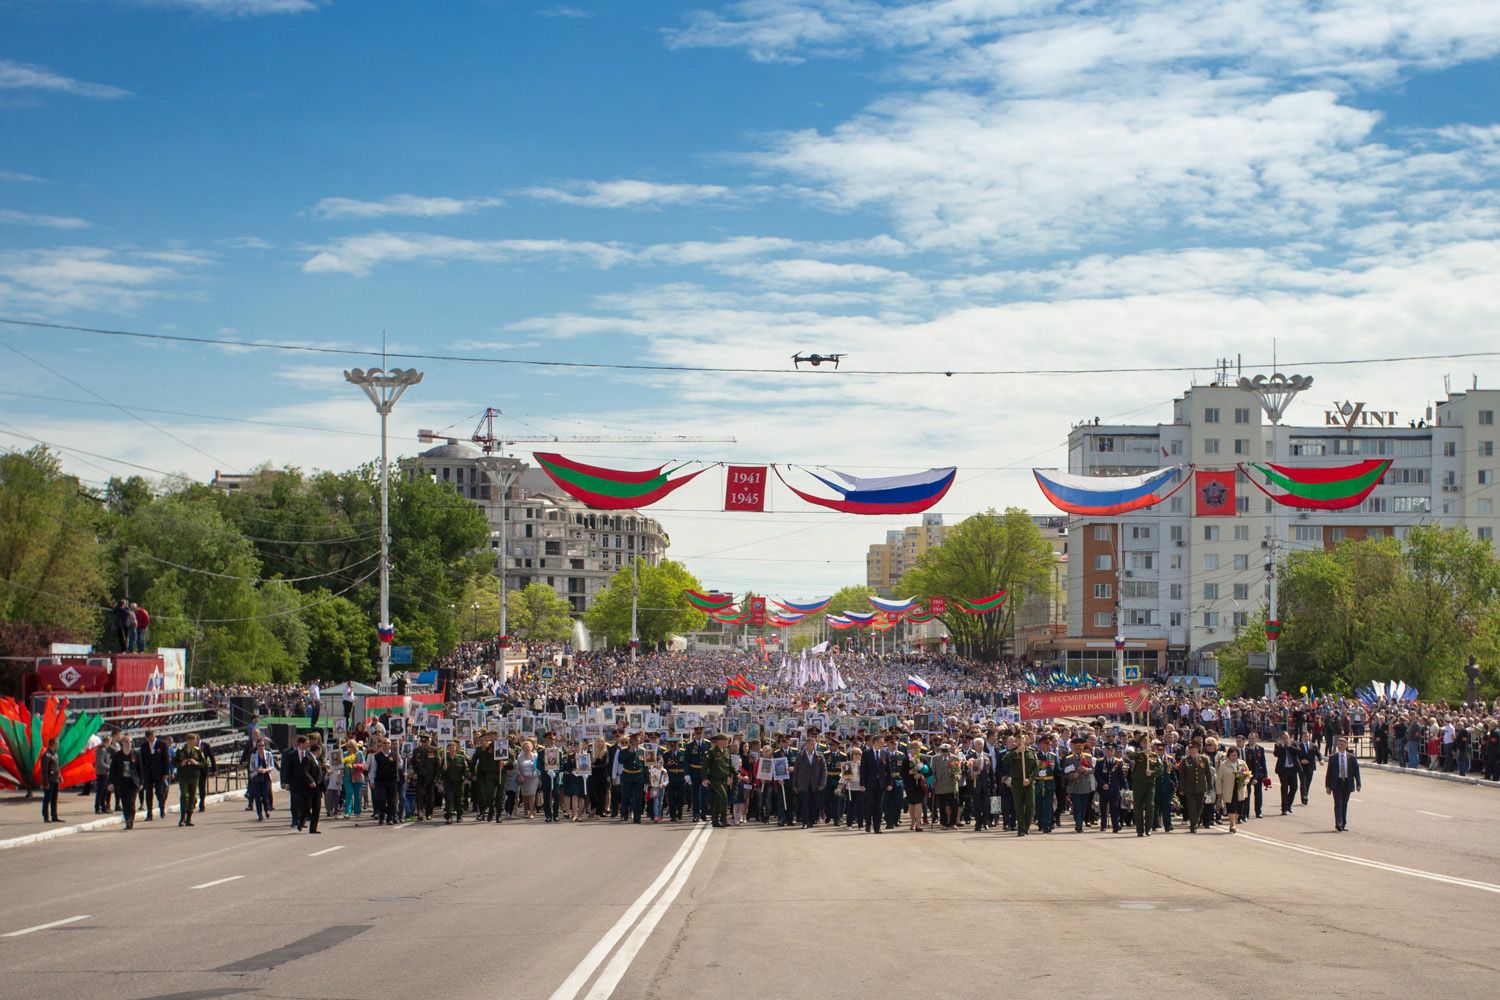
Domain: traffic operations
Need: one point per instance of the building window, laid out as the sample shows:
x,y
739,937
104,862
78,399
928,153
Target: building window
x,y
1104,444
1377,505
1104,562
1210,619
1142,560
1104,619
1103,532
1175,619
1242,562
1210,446
1174,591
1140,531
1486,418
1176,448
1450,478
1486,449
1242,592
1242,446
1484,505
1242,505
1486,477
1140,617
1103,591
1210,591
1486,534
1308,533
1175,533
1242,532
1411,505
1336,535
1241,619
1210,562
1211,415
1450,449
1175,505
1210,532
1242,414
1175,562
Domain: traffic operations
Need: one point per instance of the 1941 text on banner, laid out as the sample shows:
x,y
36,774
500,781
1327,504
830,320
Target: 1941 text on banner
x,y
745,488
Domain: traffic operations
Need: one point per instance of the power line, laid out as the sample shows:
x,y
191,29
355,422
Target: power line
x,y
718,370
257,579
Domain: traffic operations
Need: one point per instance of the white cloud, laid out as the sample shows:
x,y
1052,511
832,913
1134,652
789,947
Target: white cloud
x,y
359,255
626,193
239,8
11,215
19,178
400,204
563,10
20,76
93,278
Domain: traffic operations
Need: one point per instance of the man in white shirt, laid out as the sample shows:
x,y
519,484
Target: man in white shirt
x,y
315,702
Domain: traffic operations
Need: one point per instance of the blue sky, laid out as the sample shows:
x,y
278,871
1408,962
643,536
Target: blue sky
x,y
942,184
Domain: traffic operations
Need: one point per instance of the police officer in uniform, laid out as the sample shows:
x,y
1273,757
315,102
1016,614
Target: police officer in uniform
x,y
190,764
695,755
675,761
632,781
718,768
455,774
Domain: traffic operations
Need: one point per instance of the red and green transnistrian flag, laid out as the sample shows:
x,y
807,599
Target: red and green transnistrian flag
x,y
1334,487
708,602
983,605
610,489
739,687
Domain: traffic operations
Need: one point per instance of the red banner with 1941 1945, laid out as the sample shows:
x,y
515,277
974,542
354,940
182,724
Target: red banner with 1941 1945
x,y
745,488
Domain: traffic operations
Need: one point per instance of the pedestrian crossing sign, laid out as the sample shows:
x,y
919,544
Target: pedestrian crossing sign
x,y
548,672
1132,672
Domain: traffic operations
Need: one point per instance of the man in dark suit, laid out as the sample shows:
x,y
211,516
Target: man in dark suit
x,y
310,777
1288,766
1255,756
1307,764
875,778
1341,780
1112,779
809,776
125,777
156,768
292,759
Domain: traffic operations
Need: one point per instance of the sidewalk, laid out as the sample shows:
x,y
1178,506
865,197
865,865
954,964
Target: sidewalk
x,y
21,820
1422,772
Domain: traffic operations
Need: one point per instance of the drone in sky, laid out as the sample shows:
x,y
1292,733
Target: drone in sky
x,y
815,359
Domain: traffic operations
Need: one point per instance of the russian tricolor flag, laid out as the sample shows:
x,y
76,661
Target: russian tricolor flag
x,y
916,685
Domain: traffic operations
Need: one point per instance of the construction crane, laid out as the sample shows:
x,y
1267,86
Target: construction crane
x,y
504,474
489,442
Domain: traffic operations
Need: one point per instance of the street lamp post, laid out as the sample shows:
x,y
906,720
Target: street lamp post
x,y
503,473
1275,394
384,388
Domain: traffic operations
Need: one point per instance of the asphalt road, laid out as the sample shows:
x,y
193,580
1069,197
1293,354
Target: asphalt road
x,y
1406,901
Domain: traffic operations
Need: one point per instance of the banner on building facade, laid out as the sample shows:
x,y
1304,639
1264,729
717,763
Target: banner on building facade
x,y
1214,494
1092,701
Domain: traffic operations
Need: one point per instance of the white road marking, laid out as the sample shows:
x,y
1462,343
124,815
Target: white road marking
x,y
1424,812
591,962
1378,865
327,850
615,970
43,927
217,881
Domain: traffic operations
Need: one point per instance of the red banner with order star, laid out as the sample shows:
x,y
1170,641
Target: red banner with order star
x,y
757,611
1087,701
1213,493
745,488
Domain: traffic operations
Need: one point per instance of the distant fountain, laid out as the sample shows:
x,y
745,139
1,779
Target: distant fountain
x,y
582,641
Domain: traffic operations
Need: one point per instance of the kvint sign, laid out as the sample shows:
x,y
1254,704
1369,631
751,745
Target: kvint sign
x,y
745,488
1351,415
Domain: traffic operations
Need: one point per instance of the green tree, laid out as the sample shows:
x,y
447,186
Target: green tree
x,y
51,568
341,640
984,554
663,610
536,614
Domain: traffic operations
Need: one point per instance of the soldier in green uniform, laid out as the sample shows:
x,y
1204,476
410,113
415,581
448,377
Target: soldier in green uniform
x,y
675,761
1194,778
455,774
833,803
1166,785
486,777
1046,784
1022,763
424,767
718,770
632,780
900,762
1144,767
190,764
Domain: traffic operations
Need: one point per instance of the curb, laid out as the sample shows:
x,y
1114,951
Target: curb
x,y
1438,775
97,824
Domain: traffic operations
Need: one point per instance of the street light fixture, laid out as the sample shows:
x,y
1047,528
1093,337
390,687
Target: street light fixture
x,y
384,388
1275,395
